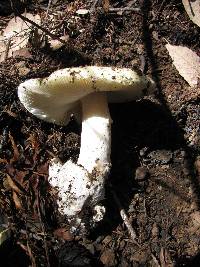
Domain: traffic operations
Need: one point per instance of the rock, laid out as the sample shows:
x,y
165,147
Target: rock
x,y
108,258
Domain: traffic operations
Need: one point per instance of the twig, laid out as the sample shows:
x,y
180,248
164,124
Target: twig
x,y
42,228
7,49
123,9
48,7
117,9
54,37
124,216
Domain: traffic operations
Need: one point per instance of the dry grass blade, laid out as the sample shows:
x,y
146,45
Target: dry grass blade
x,y
124,217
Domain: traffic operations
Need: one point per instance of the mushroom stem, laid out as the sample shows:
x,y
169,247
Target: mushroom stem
x,y
96,132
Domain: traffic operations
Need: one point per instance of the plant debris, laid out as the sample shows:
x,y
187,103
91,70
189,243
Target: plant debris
x,y
155,141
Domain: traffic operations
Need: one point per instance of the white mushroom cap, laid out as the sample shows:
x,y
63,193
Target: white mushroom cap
x,y
53,99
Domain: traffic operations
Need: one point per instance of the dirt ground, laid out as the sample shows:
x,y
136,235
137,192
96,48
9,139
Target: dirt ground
x,y
155,142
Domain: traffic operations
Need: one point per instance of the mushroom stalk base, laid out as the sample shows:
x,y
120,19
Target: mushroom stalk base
x,y
81,186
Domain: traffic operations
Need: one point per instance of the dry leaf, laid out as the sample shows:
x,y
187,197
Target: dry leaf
x,y
186,62
193,10
17,201
106,5
13,184
3,161
16,35
15,150
64,234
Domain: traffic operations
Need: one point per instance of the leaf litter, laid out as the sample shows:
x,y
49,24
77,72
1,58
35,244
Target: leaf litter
x,y
156,204
16,35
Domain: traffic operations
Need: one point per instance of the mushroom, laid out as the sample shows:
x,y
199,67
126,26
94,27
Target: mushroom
x,y
65,92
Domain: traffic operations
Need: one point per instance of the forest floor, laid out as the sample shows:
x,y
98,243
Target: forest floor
x,y
155,141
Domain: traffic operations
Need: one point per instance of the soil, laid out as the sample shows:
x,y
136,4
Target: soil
x,y
155,142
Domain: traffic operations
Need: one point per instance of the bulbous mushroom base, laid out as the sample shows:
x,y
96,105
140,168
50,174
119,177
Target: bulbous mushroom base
x,y
79,192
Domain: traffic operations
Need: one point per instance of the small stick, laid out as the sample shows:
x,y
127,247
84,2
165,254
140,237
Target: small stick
x,y
42,228
124,216
118,9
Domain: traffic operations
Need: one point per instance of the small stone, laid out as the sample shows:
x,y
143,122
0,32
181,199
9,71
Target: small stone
x,y
108,258
82,12
23,71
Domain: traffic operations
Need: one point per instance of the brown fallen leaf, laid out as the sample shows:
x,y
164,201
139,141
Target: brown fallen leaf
x,y
186,62
4,161
64,234
15,149
16,35
193,10
106,5
13,185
